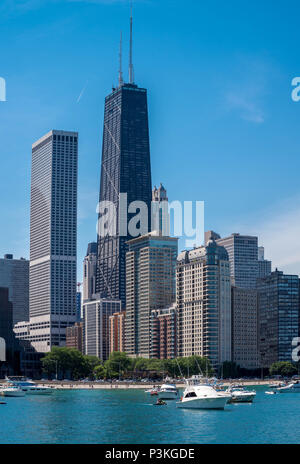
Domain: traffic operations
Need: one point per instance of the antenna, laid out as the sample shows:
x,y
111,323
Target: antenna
x,y
120,60
131,72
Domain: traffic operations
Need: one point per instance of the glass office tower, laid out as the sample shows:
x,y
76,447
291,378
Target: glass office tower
x,y
125,169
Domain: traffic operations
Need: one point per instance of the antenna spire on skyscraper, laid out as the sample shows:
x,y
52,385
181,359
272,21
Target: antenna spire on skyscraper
x,y
131,72
120,67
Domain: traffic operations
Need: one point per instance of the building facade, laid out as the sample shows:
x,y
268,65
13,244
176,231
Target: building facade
x,y
278,312
243,257
160,219
245,328
74,336
53,241
89,272
150,284
10,344
117,332
163,328
14,275
264,266
203,297
96,314
125,178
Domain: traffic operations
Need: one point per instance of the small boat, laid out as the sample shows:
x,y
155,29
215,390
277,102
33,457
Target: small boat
x,y
293,387
168,392
11,391
153,391
200,395
271,392
28,386
241,395
160,402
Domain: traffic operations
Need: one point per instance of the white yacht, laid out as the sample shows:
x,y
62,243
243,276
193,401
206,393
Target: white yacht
x,y
28,386
200,395
11,391
293,387
168,392
240,395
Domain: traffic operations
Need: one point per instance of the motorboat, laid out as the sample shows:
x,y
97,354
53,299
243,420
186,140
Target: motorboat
x,y
293,387
198,394
240,395
11,391
153,391
168,392
28,386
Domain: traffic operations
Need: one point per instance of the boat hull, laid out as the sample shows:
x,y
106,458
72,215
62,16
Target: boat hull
x,y
204,403
11,394
167,395
38,392
288,390
242,399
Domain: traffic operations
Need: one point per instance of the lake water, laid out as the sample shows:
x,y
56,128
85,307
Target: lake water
x,y
129,417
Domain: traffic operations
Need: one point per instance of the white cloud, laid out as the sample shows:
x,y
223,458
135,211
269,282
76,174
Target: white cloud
x,y
247,107
247,88
279,232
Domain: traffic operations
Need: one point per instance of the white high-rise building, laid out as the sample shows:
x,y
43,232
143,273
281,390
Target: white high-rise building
x,y
53,241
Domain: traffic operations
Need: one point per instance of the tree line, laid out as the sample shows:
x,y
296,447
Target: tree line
x,y
71,363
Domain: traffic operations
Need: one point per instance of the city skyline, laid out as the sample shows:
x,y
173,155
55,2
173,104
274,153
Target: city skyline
x,y
259,141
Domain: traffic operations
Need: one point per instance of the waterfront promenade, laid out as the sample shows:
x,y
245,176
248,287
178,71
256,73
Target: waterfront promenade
x,y
78,385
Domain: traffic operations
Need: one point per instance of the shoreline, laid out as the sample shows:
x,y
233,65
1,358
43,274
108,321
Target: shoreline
x,y
74,385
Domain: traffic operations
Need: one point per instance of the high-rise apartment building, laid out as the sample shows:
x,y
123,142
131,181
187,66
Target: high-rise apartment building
x,y
243,257
96,314
245,328
278,312
125,178
14,275
53,238
117,332
203,297
163,327
89,272
150,284
264,266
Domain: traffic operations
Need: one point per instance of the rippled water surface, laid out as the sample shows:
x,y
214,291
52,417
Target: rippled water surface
x,y
128,416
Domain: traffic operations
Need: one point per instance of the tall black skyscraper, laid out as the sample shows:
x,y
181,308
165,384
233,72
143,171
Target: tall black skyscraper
x,y
125,168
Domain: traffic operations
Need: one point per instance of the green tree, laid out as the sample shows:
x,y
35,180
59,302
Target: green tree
x,y
284,368
118,364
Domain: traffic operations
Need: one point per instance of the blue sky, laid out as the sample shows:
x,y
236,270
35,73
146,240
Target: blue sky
x,y
223,126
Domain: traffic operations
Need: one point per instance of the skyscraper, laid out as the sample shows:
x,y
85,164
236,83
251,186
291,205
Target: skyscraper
x,y
89,272
160,211
278,312
96,325
243,257
203,296
264,266
14,275
53,238
150,284
125,169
